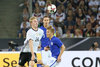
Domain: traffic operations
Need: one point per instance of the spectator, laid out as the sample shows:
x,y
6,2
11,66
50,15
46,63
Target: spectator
x,y
81,15
61,17
36,6
78,33
70,7
26,3
25,13
94,47
37,13
71,14
61,2
98,16
41,4
62,8
93,4
33,4
48,2
89,13
88,32
58,27
83,6
98,31
69,22
73,3
25,22
59,14
22,31
68,34
93,21
79,24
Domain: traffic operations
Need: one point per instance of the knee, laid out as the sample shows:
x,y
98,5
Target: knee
x,y
31,63
39,62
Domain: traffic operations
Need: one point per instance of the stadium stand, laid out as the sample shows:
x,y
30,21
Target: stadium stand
x,y
9,17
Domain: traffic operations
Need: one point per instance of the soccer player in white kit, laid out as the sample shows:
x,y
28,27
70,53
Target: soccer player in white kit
x,y
46,54
30,48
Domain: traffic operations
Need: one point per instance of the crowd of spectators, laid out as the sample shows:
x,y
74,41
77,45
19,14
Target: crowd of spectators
x,y
73,18
24,20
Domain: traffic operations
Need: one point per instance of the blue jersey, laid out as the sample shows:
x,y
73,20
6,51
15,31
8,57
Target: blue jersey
x,y
44,40
55,44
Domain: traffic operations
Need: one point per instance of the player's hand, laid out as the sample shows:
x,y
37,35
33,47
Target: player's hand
x,y
33,57
59,59
39,47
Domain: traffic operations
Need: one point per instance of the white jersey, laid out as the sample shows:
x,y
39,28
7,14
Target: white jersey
x,y
45,56
35,36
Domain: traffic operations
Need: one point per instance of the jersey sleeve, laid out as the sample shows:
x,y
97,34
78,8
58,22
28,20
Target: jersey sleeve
x,y
42,34
29,35
50,54
58,42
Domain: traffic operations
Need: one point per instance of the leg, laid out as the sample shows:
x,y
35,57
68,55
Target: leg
x,y
22,59
51,62
31,63
39,62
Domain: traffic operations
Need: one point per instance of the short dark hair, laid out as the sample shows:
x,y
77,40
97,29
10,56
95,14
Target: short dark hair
x,y
46,17
51,29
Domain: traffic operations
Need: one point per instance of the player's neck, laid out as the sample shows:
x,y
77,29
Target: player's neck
x,y
46,26
35,28
51,37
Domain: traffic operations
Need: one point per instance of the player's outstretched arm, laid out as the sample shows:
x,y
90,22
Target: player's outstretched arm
x,y
31,63
39,47
62,50
31,48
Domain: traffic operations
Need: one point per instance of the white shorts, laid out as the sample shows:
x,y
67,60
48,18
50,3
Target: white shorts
x,y
52,62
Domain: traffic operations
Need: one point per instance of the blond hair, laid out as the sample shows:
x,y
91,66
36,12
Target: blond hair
x,y
51,29
32,18
79,31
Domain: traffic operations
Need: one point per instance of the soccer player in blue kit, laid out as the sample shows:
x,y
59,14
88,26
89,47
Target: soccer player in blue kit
x,y
56,47
44,40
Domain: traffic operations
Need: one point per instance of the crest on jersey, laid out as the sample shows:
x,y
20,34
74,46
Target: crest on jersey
x,y
37,34
51,43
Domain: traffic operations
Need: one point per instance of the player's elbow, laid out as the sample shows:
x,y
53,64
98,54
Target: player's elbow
x,y
63,47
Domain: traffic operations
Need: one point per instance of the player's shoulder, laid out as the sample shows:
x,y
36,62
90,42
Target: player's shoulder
x,y
55,38
40,30
42,27
29,31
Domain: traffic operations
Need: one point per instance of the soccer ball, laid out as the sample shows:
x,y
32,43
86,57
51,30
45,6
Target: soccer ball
x,y
51,8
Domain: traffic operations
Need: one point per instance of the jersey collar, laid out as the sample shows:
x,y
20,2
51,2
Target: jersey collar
x,y
34,30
